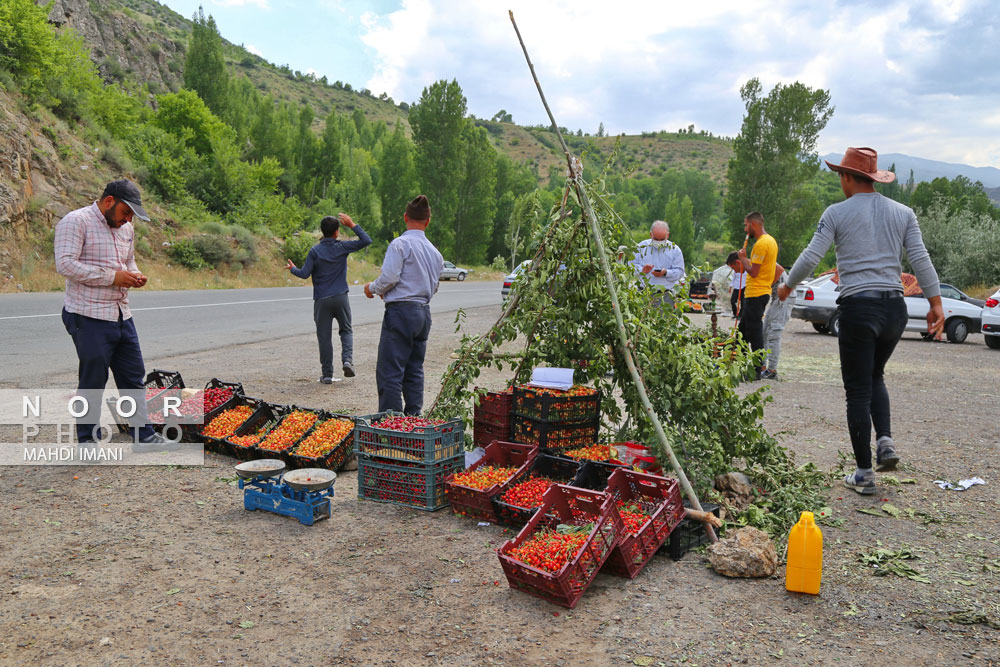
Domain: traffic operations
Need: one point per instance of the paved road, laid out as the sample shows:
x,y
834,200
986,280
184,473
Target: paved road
x,y
34,344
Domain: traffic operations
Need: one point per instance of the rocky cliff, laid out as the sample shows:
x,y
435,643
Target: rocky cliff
x,y
125,44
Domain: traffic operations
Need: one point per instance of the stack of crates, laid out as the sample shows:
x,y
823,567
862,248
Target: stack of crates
x,y
407,468
556,421
493,417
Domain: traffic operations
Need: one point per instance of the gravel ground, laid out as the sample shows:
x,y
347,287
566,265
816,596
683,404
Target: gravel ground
x,y
163,566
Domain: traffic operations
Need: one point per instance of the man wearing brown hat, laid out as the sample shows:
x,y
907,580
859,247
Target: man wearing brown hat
x,y
95,251
869,232
411,272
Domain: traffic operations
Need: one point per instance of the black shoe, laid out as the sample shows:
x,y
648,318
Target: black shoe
x,y
348,369
769,375
155,443
325,380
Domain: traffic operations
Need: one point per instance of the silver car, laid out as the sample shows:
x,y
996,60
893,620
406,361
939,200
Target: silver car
x,y
453,272
816,302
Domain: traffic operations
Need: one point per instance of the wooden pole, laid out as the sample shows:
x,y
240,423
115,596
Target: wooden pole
x,y
576,176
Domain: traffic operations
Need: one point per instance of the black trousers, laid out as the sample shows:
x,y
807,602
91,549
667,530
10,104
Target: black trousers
x,y
752,320
734,300
869,332
399,373
100,346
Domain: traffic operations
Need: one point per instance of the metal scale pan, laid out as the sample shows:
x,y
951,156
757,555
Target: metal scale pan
x,y
310,479
260,468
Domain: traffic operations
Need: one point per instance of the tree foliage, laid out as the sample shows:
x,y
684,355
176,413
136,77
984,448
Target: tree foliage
x,y
774,158
565,318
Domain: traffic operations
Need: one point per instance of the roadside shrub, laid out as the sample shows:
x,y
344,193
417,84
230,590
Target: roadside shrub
x,y
143,248
247,244
214,227
114,155
297,247
184,253
215,250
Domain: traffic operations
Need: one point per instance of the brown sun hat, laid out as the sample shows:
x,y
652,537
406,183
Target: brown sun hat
x,y
862,162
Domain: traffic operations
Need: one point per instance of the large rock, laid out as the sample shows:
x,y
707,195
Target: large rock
x,y
734,482
736,489
748,552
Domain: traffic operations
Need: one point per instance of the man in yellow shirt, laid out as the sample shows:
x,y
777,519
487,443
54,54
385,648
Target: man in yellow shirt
x,y
760,275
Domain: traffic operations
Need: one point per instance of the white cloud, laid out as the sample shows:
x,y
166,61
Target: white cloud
x,y
254,50
908,76
263,4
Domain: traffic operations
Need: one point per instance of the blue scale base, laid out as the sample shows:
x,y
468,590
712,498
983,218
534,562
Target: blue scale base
x,y
273,495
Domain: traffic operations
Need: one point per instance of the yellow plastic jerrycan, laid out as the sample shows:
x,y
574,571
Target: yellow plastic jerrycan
x,y
804,569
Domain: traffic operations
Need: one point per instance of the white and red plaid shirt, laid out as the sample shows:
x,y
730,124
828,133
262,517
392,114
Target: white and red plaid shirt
x,y
89,252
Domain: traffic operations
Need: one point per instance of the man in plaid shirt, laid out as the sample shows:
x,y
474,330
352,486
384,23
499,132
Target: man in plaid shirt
x,y
95,251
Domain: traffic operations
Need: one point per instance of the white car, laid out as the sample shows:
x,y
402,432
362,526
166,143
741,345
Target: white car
x,y
991,321
816,302
451,271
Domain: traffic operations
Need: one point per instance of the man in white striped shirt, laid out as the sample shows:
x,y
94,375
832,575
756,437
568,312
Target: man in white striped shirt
x,y
95,251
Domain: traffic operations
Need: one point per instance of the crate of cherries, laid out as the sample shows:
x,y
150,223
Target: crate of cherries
x,y
562,547
577,404
471,491
326,445
392,435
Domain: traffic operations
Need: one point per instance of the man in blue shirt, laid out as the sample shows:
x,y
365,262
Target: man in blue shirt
x,y
327,264
410,275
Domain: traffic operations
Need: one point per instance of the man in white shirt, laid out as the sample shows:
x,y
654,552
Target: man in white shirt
x,y
660,262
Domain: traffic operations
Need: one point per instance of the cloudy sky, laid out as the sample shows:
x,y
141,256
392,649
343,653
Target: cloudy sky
x,y
919,77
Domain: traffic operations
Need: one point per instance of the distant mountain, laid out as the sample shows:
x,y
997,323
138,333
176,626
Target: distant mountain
x,y
993,194
928,170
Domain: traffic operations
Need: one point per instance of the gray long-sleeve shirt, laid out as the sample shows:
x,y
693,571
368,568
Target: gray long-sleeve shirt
x,y
869,232
411,269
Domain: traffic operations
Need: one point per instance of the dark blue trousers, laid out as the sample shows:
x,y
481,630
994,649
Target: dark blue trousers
x,y
103,345
406,326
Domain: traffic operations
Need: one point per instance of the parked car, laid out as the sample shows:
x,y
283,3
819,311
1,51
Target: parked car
x,y
991,321
953,292
453,272
508,281
816,302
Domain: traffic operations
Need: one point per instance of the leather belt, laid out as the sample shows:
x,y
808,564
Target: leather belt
x,y
875,294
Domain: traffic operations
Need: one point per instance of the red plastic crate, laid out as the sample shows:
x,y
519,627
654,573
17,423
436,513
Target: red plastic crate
x,y
658,496
484,434
478,503
566,505
495,403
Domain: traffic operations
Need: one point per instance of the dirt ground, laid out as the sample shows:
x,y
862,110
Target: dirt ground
x,y
163,565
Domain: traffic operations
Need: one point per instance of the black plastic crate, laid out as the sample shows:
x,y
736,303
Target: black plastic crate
x,y
413,485
542,406
560,470
594,475
163,381
554,435
689,534
285,454
191,432
335,458
222,444
264,418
